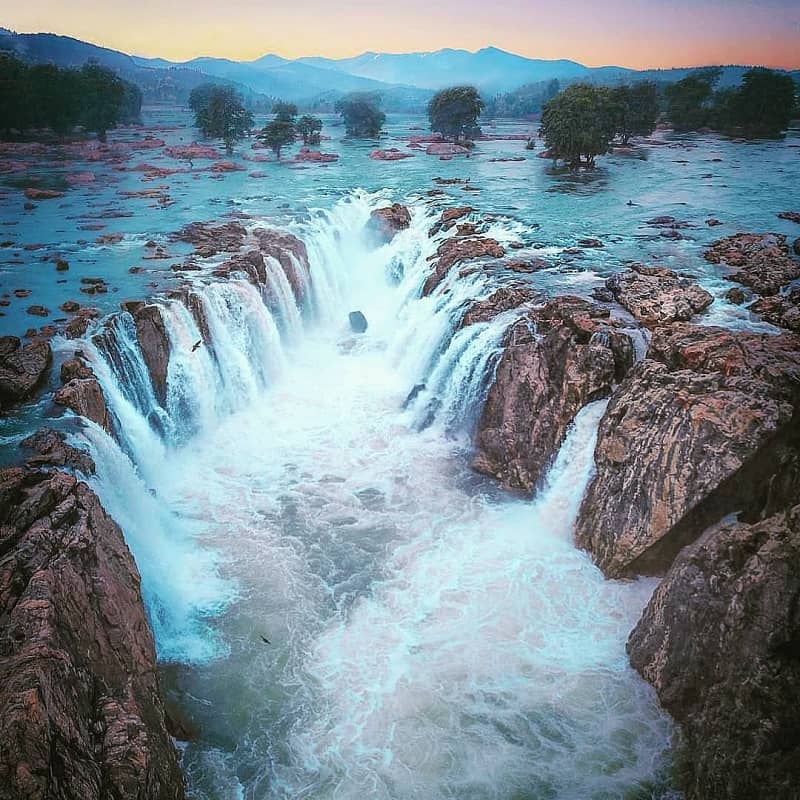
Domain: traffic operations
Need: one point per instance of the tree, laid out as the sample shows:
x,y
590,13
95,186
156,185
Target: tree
x,y
199,97
15,107
222,115
361,114
131,110
689,100
309,128
286,112
762,106
277,134
578,124
55,98
635,109
102,93
454,112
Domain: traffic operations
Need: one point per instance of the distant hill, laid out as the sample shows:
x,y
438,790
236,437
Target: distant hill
x,y
405,80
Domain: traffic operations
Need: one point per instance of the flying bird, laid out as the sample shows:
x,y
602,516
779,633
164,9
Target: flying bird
x,y
265,640
197,344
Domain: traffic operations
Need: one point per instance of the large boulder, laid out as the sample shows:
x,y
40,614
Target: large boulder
x,y
291,253
706,425
453,250
81,717
385,223
503,299
22,368
782,310
154,344
719,641
209,239
556,359
448,218
657,296
49,447
762,260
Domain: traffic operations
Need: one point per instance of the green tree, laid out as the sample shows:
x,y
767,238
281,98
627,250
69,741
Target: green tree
x,y
762,106
309,128
578,124
286,112
277,134
15,105
54,95
362,115
222,115
102,94
689,101
635,109
454,112
200,96
131,110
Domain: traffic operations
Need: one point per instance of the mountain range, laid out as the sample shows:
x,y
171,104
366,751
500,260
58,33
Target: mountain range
x,y
405,80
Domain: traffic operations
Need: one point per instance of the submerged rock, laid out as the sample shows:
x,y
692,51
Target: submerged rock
x,y
80,713
22,368
655,295
556,359
762,260
705,425
358,322
719,642
385,223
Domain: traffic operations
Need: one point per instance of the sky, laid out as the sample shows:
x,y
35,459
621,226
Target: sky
x,y
630,33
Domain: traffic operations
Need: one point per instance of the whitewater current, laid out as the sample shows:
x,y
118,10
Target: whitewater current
x,y
342,608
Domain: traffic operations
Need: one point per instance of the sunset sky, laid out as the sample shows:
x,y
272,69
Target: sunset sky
x,y
631,33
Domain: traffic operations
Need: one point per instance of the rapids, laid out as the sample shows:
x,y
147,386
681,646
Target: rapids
x,y
430,636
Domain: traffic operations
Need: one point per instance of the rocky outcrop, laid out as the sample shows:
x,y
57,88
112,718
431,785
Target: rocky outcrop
x,y
706,425
385,223
762,260
22,368
556,359
154,344
48,447
453,250
720,642
290,252
209,239
391,154
80,713
81,392
504,299
448,218
782,310
656,296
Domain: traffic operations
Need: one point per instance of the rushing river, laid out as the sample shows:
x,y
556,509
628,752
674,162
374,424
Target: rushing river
x,y
342,607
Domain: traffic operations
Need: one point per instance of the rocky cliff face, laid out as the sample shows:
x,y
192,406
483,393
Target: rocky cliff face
x,y
80,713
720,642
557,358
22,368
705,426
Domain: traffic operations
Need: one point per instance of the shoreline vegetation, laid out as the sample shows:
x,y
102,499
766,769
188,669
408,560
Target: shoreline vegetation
x,y
697,458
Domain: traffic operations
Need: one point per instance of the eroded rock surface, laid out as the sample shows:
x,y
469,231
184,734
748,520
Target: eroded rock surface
x,y
455,249
80,712
290,252
22,368
385,223
154,344
557,358
706,425
504,299
720,641
209,239
656,295
782,310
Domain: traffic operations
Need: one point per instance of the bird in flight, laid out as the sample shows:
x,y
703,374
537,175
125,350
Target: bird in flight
x,y
197,344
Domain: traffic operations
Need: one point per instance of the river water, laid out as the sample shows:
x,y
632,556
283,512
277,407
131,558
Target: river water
x,y
342,608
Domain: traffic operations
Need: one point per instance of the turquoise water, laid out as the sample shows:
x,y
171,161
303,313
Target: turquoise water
x,y
429,635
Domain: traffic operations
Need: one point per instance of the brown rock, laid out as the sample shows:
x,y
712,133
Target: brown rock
x,y
453,250
38,311
762,260
85,397
290,252
80,712
392,154
448,218
504,299
792,216
22,368
542,381
385,223
735,295
446,149
781,310
47,446
655,295
154,344
42,194
704,426
209,239
719,642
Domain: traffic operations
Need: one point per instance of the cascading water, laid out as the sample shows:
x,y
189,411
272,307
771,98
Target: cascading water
x,y
430,637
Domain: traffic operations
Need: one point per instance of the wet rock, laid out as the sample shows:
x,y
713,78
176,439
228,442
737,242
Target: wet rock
x,y
448,218
22,368
154,344
209,239
712,222
189,152
719,642
61,265
38,311
655,295
412,395
556,359
504,299
735,295
782,310
358,322
85,397
80,711
79,324
47,446
761,260
792,216
109,238
391,154
454,250
705,425
527,265
446,149
590,243
385,223
42,194
796,246
290,252
305,154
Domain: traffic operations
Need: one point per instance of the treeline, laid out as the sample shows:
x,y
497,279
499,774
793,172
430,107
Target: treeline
x,y
525,101
43,96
